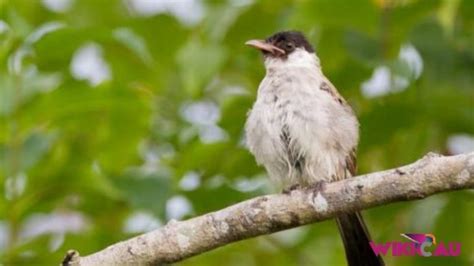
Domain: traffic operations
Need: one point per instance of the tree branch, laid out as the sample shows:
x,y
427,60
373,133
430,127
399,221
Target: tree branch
x,y
179,240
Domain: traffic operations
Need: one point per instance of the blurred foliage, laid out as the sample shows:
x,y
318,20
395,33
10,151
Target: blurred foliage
x,y
86,163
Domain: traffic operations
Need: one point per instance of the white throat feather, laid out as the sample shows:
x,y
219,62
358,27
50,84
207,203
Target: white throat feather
x,y
298,58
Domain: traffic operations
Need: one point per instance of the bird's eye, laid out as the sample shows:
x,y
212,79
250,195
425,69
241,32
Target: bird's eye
x,y
290,45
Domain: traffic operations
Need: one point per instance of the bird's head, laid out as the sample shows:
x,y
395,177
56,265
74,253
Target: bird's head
x,y
286,48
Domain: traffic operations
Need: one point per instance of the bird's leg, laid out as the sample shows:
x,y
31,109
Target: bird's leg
x,y
291,188
317,186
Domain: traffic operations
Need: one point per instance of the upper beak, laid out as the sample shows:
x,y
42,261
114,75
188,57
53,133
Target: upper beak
x,y
267,47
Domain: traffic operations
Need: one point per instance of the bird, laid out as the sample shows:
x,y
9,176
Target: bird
x,y
304,132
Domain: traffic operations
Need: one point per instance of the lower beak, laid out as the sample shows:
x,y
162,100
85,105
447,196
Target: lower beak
x,y
263,46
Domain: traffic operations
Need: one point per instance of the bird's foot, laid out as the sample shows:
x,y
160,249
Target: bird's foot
x,y
291,188
317,186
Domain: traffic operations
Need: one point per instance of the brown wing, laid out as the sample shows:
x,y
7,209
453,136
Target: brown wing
x,y
351,162
351,159
327,86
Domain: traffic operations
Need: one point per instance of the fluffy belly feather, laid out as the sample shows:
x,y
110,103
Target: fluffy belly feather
x,y
291,130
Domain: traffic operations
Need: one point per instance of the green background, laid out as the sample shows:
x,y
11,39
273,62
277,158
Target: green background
x,y
86,163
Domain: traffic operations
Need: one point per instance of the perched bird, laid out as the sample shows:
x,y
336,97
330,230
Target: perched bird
x,y
303,131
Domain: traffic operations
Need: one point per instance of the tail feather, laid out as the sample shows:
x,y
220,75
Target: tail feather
x,y
356,238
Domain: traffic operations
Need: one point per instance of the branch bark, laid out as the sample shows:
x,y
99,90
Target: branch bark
x,y
179,240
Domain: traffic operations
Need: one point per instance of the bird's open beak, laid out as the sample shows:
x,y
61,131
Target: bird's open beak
x,y
267,47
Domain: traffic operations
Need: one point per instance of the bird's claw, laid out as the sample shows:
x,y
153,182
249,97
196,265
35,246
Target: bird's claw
x,y
318,186
291,188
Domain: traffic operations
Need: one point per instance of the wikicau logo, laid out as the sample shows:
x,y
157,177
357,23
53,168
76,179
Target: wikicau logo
x,y
420,245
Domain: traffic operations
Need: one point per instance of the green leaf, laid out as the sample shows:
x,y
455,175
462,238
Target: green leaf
x,y
144,191
198,63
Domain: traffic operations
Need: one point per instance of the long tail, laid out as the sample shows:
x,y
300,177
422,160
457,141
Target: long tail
x,y
356,240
